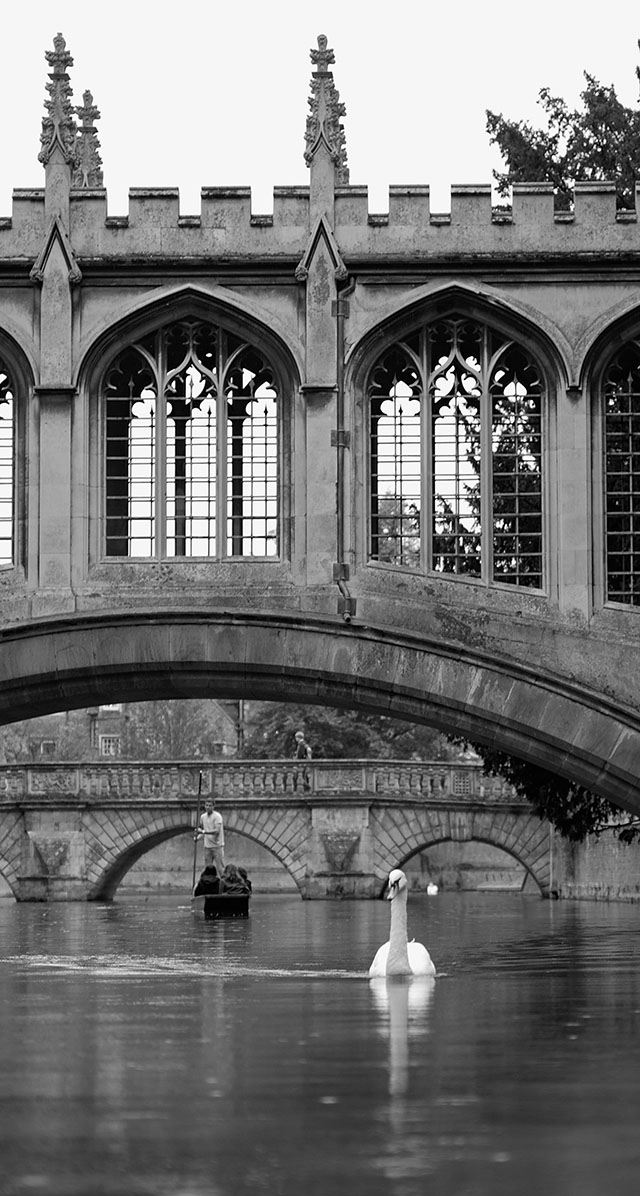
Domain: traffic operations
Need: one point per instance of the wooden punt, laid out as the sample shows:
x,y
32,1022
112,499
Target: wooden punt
x,y
222,905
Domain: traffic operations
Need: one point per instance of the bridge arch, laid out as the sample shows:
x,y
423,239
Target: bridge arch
x,y
116,840
523,836
524,710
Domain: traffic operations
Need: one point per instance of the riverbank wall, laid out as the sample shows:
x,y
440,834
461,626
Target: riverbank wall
x,y
600,869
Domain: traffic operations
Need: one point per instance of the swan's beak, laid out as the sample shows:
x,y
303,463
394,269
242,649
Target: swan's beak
x,y
392,890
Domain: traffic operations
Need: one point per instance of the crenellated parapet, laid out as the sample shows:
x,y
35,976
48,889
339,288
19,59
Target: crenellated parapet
x,y
228,228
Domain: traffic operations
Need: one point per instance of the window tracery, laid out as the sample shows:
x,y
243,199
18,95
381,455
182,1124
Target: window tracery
x,y
621,406
191,446
456,414
7,467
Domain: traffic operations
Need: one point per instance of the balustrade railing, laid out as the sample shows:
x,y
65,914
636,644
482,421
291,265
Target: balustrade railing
x,y
235,780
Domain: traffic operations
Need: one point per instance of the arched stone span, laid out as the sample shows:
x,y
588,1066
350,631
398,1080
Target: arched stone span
x,y
116,839
13,845
399,835
525,711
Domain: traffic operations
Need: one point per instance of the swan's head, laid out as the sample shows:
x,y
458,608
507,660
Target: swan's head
x,y
396,883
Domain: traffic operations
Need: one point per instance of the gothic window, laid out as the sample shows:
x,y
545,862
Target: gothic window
x,y
456,416
191,446
7,468
621,401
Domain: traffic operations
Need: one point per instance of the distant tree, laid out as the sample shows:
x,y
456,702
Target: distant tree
x,y
396,531
181,729
339,734
66,736
600,140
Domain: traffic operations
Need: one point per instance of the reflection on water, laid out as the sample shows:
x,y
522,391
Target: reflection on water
x,y
144,1051
403,1002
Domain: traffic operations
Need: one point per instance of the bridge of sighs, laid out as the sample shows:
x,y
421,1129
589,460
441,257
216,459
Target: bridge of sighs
x,y
387,461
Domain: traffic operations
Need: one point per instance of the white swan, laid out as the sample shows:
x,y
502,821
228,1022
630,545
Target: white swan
x,y
398,957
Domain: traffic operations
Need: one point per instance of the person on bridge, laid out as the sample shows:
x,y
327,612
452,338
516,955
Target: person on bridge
x,y
302,751
211,829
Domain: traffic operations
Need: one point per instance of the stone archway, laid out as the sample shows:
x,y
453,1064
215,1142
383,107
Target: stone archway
x,y
115,839
528,712
521,834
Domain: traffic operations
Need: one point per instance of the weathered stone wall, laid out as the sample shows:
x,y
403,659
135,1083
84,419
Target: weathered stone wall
x,y
600,869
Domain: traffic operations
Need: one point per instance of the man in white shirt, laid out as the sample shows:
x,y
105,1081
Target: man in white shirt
x,y
211,830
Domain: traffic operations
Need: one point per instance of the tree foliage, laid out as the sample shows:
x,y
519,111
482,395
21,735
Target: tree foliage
x,y
183,729
573,810
339,734
600,140
67,734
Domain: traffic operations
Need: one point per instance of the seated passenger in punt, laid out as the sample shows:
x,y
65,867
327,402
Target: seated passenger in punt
x,y
209,883
235,882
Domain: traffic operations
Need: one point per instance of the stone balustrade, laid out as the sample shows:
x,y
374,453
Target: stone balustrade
x,y
237,780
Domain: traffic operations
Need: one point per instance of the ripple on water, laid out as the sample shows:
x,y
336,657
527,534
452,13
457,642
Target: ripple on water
x,y
129,966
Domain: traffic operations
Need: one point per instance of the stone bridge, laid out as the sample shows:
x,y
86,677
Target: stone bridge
x,y
69,832
228,470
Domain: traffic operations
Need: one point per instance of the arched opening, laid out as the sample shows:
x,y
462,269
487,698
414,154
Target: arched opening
x,y
168,866
15,385
617,502
192,423
191,415
458,415
164,861
471,866
520,710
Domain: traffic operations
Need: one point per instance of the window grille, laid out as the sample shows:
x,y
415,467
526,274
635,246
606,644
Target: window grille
x,y
191,447
7,468
109,745
456,415
47,747
622,476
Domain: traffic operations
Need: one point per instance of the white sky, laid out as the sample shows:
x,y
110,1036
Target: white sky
x,y
205,94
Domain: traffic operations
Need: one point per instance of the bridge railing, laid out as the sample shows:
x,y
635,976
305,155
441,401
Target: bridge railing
x,y
237,779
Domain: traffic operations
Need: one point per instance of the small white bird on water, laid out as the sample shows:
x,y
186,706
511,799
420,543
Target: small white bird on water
x,y
399,957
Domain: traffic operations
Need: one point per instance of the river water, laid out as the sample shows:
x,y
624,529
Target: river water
x,y
146,1052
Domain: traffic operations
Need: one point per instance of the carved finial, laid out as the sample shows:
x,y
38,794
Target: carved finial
x,y
322,57
58,126
323,122
88,163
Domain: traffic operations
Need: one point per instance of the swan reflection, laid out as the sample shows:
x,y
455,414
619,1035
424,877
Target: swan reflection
x,y
404,1003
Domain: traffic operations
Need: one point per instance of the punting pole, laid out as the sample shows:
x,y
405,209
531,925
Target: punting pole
x,y
195,837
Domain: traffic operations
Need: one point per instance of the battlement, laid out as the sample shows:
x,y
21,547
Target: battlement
x,y
227,227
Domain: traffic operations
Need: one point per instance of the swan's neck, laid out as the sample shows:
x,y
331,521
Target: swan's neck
x,y
398,958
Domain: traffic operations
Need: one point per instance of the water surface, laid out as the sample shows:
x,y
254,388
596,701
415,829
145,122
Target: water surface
x,y
145,1052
